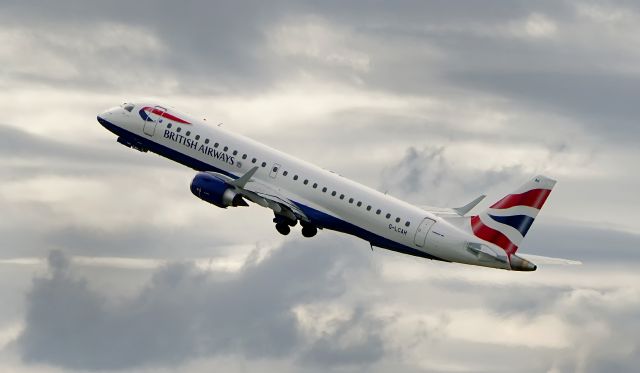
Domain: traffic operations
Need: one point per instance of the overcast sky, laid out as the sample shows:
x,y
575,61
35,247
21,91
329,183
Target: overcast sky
x,y
108,263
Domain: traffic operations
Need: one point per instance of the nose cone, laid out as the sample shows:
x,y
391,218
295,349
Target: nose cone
x,y
108,118
102,121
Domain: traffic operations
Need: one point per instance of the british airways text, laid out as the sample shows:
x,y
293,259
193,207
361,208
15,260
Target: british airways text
x,y
204,149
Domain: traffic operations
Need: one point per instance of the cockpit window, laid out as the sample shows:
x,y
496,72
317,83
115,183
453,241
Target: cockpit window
x,y
128,107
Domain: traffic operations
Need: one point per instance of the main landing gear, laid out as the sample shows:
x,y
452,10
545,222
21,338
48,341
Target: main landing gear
x,y
309,230
283,226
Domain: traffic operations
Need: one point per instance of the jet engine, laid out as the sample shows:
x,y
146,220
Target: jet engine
x,y
216,191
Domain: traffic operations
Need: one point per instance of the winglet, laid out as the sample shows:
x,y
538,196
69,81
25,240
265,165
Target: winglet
x,y
244,179
469,206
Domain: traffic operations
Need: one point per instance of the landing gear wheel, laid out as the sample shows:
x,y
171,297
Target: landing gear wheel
x,y
309,230
283,228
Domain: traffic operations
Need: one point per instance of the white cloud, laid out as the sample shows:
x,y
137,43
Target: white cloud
x,y
24,52
318,40
540,26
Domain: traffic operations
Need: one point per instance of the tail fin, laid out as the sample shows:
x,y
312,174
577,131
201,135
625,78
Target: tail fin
x,y
507,221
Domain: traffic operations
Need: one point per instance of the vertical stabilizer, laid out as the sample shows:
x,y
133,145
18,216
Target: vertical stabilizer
x,y
507,221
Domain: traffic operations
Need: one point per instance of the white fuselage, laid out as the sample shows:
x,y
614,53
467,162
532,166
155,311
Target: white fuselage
x,y
344,204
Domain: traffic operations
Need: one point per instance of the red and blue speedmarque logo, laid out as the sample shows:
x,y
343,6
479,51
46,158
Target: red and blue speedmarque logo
x,y
145,111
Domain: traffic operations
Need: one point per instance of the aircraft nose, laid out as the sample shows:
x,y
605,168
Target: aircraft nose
x,y
103,118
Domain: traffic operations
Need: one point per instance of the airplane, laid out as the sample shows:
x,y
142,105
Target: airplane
x,y
233,170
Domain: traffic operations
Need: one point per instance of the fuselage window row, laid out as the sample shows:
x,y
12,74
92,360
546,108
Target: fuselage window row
x,y
295,177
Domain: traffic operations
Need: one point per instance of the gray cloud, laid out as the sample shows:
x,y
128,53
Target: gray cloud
x,y
184,313
427,177
334,349
602,101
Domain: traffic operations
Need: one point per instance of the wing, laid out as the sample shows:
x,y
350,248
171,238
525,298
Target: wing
x,y
455,211
263,194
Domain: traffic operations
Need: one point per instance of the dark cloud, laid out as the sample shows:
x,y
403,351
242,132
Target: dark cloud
x,y
603,102
221,47
337,348
183,313
210,46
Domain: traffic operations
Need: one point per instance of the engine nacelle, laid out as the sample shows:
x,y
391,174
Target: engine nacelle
x,y
216,191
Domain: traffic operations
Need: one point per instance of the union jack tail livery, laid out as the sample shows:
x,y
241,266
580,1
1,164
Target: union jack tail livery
x,y
507,221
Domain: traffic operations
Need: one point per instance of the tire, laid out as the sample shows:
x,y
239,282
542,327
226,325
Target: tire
x,y
283,228
309,231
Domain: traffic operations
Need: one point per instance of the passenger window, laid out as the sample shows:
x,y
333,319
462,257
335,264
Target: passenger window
x,y
359,203
215,145
206,141
275,169
369,208
378,211
197,137
295,177
226,148
235,152
334,193
350,200
324,190
244,156
253,160
388,215
315,185
285,173
188,133
264,164
168,125
306,182
342,196
397,220
179,129
407,224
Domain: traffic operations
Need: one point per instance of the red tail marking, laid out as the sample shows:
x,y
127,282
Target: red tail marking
x,y
534,198
489,234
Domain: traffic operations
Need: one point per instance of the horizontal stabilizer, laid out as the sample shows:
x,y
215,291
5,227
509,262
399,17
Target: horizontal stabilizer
x,y
548,260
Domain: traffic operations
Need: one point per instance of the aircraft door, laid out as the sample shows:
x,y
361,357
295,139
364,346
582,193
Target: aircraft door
x,y
274,170
153,118
423,229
